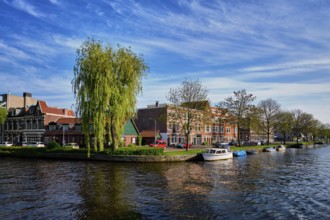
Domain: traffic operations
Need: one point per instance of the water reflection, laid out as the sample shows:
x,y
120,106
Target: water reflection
x,y
107,189
274,185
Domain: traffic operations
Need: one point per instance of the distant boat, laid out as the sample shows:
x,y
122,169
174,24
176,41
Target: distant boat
x,y
269,149
251,151
280,147
217,154
298,145
240,153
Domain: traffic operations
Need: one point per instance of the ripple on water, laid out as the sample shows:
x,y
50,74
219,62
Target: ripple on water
x,y
280,185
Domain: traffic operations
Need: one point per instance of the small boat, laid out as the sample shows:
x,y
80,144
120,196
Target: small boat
x,y
269,149
217,154
280,148
251,151
298,145
240,153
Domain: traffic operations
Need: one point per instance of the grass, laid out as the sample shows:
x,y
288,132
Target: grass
x,y
38,152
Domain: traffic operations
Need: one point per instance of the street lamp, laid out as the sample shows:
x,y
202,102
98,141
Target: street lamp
x,y
155,127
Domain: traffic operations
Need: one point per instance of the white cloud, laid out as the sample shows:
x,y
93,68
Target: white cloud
x,y
26,7
55,2
68,42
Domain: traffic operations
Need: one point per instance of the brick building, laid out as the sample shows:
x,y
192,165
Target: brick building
x,y
158,117
27,118
69,130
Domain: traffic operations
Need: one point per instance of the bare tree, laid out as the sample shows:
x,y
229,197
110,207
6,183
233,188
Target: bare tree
x,y
269,110
190,104
239,107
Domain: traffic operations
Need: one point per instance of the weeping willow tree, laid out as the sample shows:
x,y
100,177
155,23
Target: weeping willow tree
x,y
128,71
105,84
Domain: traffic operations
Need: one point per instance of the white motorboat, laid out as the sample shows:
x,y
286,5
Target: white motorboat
x,y
217,154
269,149
280,147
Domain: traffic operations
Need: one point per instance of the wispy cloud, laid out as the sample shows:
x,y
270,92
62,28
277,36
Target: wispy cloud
x,y
68,42
10,51
55,2
274,49
26,7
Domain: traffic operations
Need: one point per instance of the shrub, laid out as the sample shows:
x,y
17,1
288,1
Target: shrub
x,y
136,151
53,145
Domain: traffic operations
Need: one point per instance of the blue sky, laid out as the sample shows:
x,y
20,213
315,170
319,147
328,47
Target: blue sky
x,y
275,49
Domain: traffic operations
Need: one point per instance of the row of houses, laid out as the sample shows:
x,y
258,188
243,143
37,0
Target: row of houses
x,y
32,120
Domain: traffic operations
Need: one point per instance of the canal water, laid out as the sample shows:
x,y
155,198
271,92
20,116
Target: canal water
x,y
276,185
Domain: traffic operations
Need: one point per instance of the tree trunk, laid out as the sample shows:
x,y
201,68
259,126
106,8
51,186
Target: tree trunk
x,y
239,135
114,144
187,140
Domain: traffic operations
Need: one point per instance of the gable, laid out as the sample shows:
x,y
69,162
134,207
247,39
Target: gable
x,y
130,129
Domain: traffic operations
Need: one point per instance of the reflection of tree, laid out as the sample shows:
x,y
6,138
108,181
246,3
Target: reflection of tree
x,y
106,193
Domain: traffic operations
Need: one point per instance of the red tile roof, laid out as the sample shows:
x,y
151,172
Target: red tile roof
x,y
55,111
68,121
148,133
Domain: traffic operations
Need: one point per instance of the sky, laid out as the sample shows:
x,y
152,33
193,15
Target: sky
x,y
276,49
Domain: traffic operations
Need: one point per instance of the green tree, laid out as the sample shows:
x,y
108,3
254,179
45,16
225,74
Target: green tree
x,y
190,105
284,124
106,82
239,107
302,123
3,115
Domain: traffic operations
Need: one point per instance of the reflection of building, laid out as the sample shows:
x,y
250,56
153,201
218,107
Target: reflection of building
x,y
218,128
69,130
27,118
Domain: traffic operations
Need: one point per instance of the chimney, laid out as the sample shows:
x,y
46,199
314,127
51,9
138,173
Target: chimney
x,y
25,96
156,104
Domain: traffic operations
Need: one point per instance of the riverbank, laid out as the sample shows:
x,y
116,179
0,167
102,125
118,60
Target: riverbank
x,y
171,155
168,155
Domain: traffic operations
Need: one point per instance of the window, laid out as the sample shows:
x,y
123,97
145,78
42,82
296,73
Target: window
x,y
52,127
207,128
221,129
228,130
77,127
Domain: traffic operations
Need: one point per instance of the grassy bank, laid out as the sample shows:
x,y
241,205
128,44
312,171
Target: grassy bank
x,y
39,152
122,151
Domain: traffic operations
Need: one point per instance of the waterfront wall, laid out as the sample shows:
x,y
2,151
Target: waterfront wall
x,y
130,158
